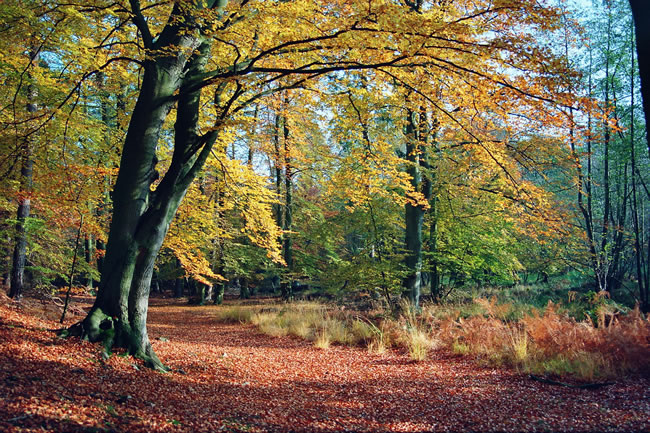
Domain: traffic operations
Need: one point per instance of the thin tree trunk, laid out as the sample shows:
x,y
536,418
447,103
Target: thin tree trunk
x,y
20,246
179,283
88,256
72,269
277,168
603,276
413,216
287,247
24,203
218,248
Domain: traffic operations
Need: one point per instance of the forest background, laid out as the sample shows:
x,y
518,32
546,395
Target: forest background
x,y
359,150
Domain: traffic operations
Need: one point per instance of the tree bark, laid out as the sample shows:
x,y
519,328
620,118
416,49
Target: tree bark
x,y
24,203
639,252
641,14
88,256
287,247
141,217
413,216
20,245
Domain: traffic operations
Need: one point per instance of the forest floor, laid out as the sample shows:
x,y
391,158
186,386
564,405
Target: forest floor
x,y
233,378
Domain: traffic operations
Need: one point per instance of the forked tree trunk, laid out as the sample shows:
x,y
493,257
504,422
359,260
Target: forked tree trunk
x,y
141,217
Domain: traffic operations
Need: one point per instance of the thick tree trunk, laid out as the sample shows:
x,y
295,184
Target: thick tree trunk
x,y
639,258
179,285
428,138
641,13
244,290
413,242
218,293
141,217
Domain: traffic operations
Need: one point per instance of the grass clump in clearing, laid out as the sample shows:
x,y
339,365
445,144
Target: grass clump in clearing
x,y
319,324
519,346
362,332
235,314
300,320
267,323
415,335
550,341
336,330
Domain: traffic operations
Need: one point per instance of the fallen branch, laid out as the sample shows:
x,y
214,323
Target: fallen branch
x,y
19,418
570,385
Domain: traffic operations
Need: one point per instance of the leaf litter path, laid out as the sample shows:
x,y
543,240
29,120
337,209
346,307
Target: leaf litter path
x,y
232,378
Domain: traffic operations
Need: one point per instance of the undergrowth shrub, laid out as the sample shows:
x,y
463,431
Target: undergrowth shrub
x,y
551,342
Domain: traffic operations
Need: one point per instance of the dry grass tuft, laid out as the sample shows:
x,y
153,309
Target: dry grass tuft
x,y
419,343
322,341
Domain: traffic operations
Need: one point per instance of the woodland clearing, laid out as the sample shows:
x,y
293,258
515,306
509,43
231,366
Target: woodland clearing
x,y
230,377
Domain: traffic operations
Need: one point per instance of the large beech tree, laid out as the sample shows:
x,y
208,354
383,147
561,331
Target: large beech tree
x,y
203,62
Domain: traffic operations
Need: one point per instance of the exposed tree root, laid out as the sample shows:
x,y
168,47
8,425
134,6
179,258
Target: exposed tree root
x,y
98,327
